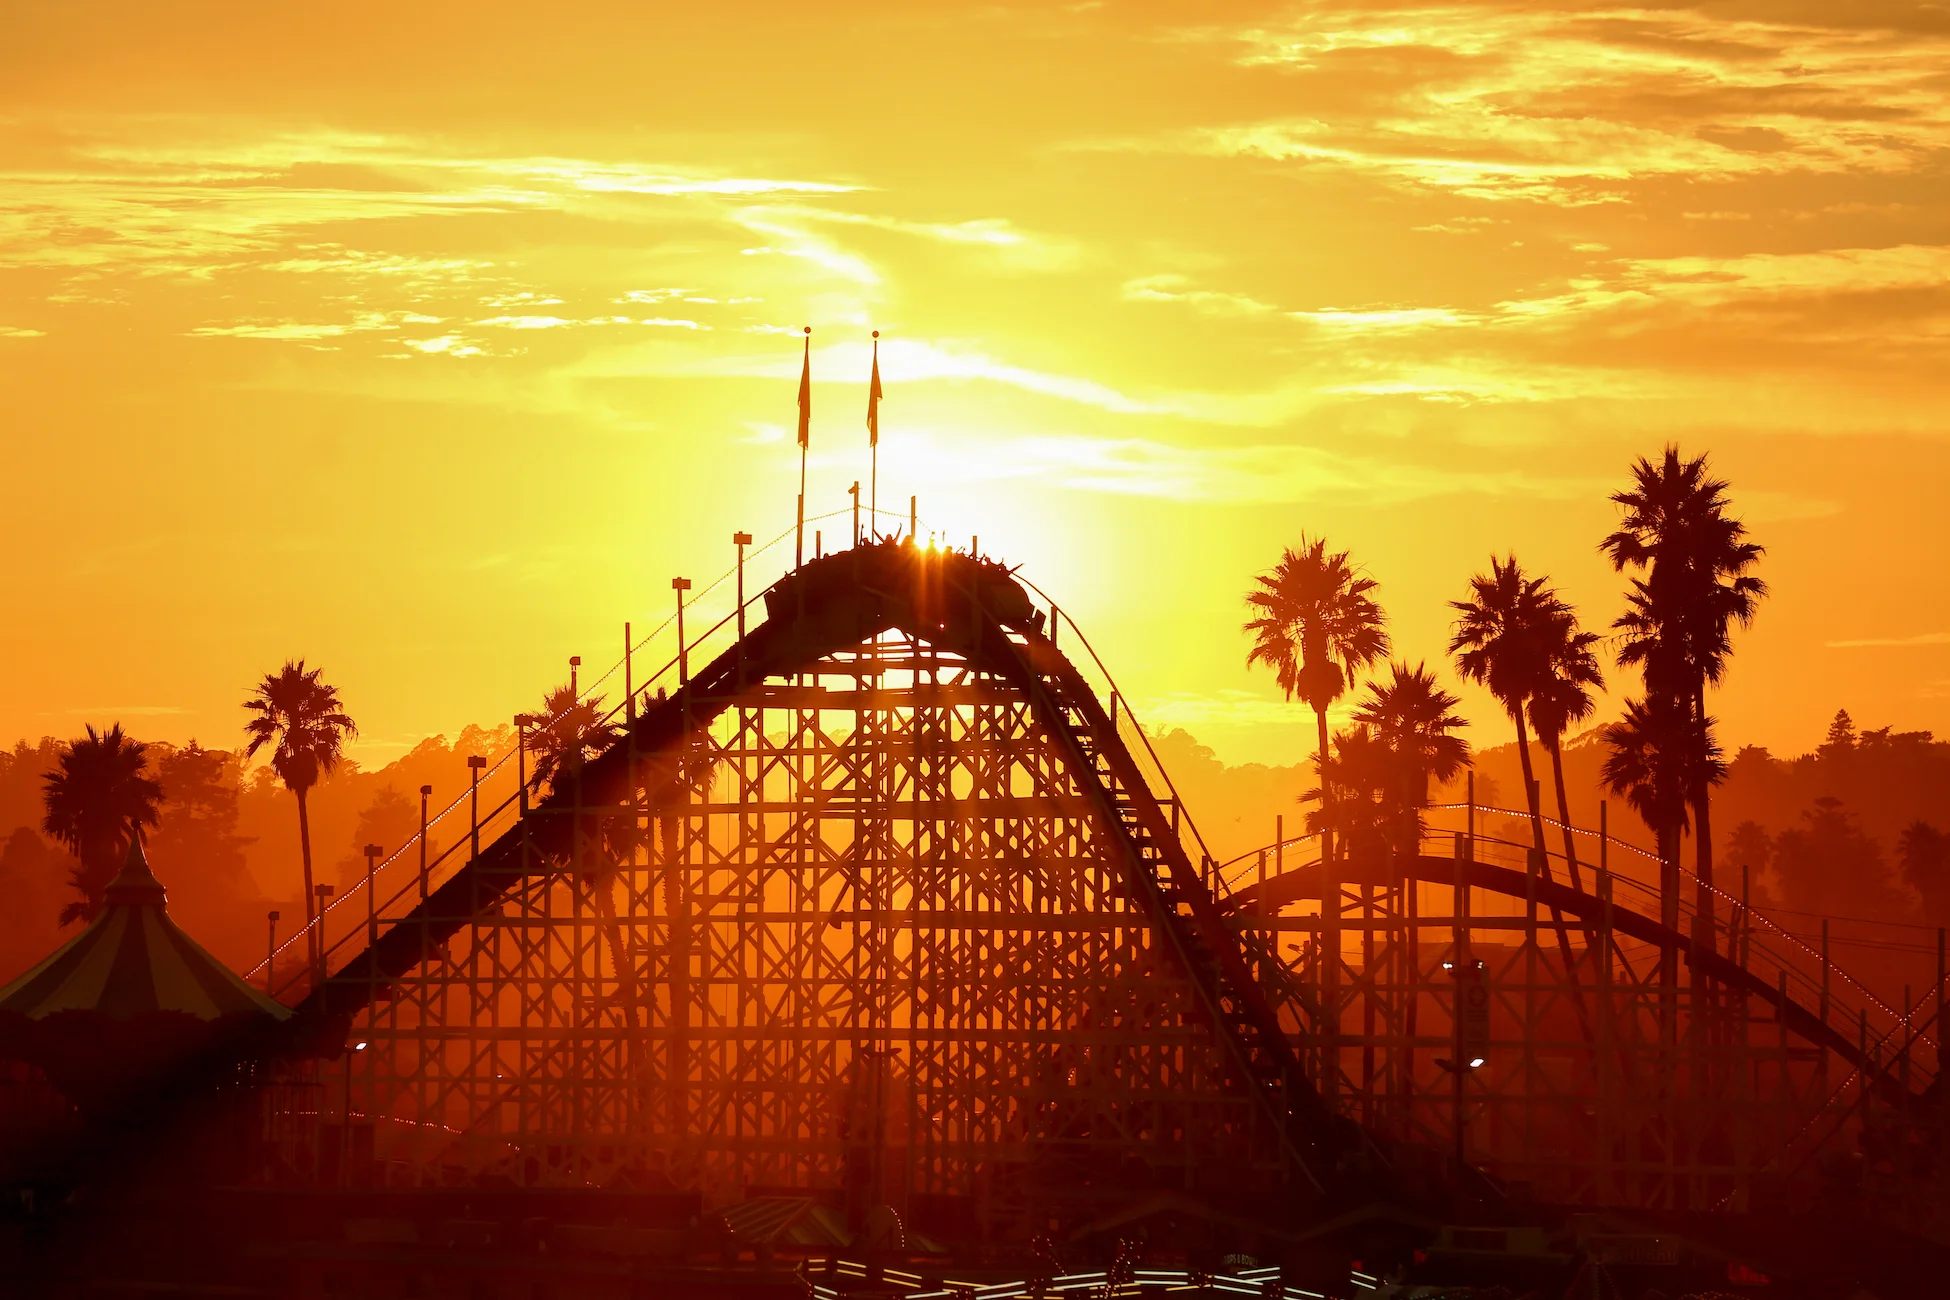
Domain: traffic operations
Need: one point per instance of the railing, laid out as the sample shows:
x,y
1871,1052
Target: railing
x,y
1136,739
396,881
1742,932
396,884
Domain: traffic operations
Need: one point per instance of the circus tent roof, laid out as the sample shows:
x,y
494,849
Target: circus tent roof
x,y
132,960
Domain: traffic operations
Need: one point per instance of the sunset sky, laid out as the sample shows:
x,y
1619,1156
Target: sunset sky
x,y
428,342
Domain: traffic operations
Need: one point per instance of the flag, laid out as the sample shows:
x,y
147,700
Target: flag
x,y
805,396
873,397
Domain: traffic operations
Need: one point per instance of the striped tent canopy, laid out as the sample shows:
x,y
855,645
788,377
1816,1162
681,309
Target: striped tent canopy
x,y
133,961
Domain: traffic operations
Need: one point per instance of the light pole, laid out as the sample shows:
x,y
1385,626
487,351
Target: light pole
x,y
324,893
741,541
271,956
474,765
1456,1073
345,1120
680,586
523,721
372,852
425,791
575,663
1472,1015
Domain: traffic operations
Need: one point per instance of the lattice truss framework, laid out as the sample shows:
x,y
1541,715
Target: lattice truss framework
x,y
1629,1082
874,943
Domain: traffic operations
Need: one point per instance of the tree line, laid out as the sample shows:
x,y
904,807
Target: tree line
x,y
1316,622
100,788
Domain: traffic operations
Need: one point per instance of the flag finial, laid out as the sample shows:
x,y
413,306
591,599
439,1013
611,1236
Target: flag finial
x,y
805,441
873,433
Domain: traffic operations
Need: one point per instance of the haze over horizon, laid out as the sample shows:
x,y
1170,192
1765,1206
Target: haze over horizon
x,y
430,351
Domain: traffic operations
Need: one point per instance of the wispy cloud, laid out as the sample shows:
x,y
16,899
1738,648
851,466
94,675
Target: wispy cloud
x,y
1175,288
1806,282
198,206
365,322
1256,474
20,332
129,711
1501,103
445,345
903,361
1879,642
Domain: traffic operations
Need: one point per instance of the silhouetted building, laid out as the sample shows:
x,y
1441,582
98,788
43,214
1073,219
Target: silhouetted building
x,y
129,997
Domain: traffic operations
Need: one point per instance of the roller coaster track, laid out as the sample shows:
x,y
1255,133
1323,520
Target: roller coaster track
x,y
977,610
1309,882
982,613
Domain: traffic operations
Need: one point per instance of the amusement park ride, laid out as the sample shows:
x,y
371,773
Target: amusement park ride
x,y
878,897
881,891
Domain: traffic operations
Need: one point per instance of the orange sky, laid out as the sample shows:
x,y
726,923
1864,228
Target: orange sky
x,y
430,345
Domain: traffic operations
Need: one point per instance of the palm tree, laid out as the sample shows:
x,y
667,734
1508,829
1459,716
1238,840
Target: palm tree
x,y
1926,867
1365,803
1561,699
1660,752
1502,641
567,733
1698,587
1412,717
301,719
1316,625
94,799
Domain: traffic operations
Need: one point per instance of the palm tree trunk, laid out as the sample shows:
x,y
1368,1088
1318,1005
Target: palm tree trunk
x,y
1326,791
1330,932
1555,748
1544,861
304,848
1668,840
1530,788
1703,837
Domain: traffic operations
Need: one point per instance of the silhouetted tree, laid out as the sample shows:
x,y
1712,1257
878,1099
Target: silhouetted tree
x,y
95,798
1925,853
1411,716
1502,641
1316,625
197,838
1697,588
1562,698
300,718
1750,846
1839,743
564,735
1829,865
568,732
1658,753
390,821
1360,798
33,873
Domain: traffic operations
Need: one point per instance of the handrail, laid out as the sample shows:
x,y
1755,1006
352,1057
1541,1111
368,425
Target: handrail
x,y
1798,976
584,691
1687,907
1223,883
1056,612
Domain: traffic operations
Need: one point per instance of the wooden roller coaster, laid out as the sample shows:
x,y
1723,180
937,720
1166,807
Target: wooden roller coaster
x,y
889,900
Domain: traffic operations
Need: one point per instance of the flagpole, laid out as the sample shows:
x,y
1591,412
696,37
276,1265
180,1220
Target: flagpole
x,y
873,439
805,437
